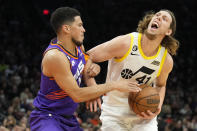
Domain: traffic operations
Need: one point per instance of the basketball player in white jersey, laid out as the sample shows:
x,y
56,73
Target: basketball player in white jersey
x,y
143,57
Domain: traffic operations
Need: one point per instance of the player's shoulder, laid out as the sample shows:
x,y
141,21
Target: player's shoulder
x,y
169,59
128,35
53,59
168,64
53,56
125,39
54,53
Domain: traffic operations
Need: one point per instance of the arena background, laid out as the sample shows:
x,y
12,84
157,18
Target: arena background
x,y
25,32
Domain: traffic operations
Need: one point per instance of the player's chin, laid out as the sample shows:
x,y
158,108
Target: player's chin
x,y
152,32
80,39
80,42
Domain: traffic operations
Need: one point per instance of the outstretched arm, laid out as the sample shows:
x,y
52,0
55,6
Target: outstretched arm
x,y
56,65
115,48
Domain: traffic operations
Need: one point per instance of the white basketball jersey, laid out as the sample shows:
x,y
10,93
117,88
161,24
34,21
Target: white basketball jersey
x,y
134,65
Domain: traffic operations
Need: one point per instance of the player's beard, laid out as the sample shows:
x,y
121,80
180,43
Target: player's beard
x,y
149,35
77,43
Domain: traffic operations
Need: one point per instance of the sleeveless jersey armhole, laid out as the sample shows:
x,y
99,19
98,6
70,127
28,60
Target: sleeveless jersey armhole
x,y
128,52
86,56
162,62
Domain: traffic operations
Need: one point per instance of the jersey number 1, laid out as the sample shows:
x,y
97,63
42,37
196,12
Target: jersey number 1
x,y
127,74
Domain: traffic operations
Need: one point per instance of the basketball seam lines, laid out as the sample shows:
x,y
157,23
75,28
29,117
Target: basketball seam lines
x,y
139,100
144,105
136,96
147,96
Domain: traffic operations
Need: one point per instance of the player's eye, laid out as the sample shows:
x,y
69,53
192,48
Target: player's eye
x,y
165,19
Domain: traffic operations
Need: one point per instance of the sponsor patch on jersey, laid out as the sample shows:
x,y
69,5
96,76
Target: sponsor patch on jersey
x,y
157,63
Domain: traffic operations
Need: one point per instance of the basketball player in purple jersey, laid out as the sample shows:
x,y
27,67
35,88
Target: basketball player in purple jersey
x,y
63,64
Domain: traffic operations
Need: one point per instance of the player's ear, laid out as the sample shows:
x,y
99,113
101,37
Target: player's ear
x,y
66,28
169,32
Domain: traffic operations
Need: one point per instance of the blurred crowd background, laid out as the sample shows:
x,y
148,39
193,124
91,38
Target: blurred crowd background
x,y
25,32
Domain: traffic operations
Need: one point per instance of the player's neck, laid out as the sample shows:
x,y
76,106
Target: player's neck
x,y
67,43
150,46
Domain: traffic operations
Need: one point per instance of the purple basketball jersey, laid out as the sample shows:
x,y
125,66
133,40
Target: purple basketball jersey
x,y
51,98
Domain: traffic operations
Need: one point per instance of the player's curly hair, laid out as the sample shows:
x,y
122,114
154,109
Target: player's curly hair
x,y
169,42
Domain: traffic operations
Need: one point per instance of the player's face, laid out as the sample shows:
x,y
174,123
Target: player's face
x,y
77,31
160,24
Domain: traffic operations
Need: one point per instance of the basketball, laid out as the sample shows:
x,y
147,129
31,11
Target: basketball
x,y
147,99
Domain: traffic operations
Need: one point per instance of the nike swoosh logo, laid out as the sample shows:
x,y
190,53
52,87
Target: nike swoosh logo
x,y
133,54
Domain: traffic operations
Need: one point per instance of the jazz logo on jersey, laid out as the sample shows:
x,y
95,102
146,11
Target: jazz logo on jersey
x,y
128,74
78,72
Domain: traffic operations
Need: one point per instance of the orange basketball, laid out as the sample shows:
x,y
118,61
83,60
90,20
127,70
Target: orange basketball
x,y
147,99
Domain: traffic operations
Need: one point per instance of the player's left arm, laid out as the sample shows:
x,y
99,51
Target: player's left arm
x,y
161,86
90,70
162,78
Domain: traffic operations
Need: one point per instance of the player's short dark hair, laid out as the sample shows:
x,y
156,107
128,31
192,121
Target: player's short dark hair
x,y
63,15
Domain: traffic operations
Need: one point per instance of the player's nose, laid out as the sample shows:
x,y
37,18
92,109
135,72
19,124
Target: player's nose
x,y
83,29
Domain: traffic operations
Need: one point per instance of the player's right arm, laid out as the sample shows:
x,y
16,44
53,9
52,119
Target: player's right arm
x,y
56,65
115,48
